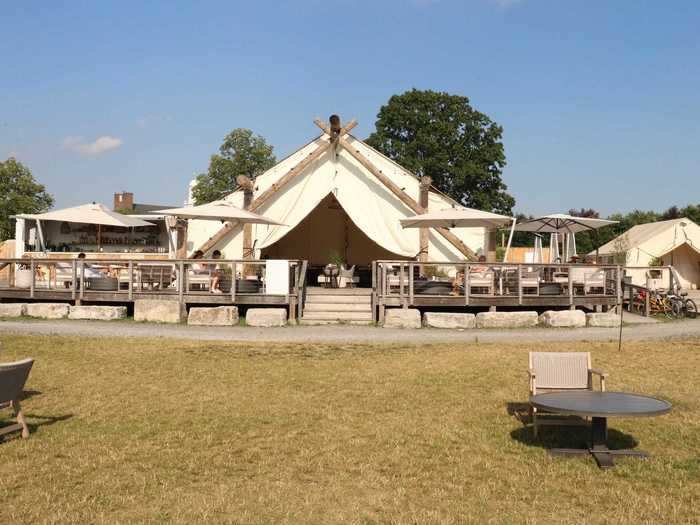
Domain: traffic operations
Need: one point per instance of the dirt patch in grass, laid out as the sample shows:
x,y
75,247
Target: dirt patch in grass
x,y
148,430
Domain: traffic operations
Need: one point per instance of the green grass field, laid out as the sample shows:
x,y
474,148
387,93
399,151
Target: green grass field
x,y
159,430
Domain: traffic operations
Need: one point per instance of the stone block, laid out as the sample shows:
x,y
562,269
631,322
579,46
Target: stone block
x,y
97,313
216,316
402,318
449,320
48,310
563,319
606,320
159,311
506,319
266,317
13,309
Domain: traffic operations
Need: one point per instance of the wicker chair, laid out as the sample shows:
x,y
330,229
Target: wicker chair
x,y
13,376
560,371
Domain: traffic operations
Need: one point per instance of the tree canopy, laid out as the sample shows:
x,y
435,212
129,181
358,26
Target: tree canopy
x,y
19,193
242,153
441,136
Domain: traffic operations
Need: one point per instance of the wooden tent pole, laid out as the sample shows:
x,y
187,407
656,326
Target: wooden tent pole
x,y
404,197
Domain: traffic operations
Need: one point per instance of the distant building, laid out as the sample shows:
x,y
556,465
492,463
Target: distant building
x,y
124,201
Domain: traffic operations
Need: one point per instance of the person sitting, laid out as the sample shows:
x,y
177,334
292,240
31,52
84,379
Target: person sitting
x,y
88,271
216,274
458,281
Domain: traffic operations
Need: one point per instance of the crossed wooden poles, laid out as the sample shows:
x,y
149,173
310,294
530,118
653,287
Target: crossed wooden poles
x,y
336,140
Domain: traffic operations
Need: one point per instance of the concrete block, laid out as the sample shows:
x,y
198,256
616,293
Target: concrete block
x,y
506,319
449,320
13,309
563,319
606,320
402,318
217,316
48,310
266,317
159,311
97,313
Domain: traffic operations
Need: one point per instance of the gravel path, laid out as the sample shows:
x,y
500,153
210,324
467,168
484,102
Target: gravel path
x,y
347,334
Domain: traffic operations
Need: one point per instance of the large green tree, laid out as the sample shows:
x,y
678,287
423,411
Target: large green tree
x,y
242,153
442,136
19,193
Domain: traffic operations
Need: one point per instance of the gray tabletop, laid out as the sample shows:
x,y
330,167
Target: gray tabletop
x,y
600,404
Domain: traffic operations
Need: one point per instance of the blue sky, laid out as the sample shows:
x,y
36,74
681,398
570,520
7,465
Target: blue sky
x,y
598,99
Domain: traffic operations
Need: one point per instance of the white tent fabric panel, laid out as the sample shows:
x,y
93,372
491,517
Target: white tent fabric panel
x,y
369,204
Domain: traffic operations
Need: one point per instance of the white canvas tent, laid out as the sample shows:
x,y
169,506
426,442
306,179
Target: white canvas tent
x,y
675,242
337,192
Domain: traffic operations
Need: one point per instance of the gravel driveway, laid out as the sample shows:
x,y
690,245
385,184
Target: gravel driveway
x,y
345,333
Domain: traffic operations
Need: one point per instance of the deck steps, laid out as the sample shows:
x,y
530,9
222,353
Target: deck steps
x,y
327,306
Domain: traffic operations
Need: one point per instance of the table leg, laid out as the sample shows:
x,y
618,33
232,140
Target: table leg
x,y
599,450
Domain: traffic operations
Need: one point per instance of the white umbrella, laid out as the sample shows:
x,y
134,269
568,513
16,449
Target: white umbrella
x,y
461,218
94,213
456,218
560,223
219,210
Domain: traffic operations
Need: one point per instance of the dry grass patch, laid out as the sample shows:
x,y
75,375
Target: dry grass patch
x,y
161,430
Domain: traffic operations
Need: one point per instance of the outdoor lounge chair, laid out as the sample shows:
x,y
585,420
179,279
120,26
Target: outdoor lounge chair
x,y
482,282
560,371
13,376
588,279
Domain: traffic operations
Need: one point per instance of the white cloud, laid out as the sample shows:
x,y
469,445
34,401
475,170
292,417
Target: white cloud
x,y
91,149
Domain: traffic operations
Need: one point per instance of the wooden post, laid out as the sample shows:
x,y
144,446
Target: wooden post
x,y
491,243
74,278
131,279
619,286
181,281
374,291
401,297
182,233
423,201
647,306
410,284
233,282
32,268
466,285
246,184
571,290
82,282
520,284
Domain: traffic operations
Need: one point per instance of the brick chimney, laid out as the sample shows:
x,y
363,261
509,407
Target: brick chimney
x,y
124,201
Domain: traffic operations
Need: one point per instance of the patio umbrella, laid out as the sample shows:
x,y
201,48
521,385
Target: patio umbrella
x,y
94,213
221,210
460,218
559,223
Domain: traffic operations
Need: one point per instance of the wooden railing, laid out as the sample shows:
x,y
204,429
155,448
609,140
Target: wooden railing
x,y
78,279
406,280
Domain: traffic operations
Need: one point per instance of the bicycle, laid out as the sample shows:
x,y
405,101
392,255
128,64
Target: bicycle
x,y
681,306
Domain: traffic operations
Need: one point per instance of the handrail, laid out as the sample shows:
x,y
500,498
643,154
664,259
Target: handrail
x,y
301,288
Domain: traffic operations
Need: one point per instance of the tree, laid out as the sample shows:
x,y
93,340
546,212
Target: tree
x,y
241,153
19,193
442,136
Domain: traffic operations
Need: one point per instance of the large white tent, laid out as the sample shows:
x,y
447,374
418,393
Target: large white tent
x,y
338,180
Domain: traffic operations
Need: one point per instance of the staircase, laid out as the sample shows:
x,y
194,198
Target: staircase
x,y
337,305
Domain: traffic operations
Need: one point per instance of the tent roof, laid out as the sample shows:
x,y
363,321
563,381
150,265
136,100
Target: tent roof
x,y
642,233
94,213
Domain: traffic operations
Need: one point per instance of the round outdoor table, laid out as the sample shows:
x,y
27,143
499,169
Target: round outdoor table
x,y
599,406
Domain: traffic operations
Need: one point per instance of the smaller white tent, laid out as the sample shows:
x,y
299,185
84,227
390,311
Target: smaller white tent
x,y
675,242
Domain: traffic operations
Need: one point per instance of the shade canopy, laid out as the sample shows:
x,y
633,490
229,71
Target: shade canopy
x,y
457,218
219,210
94,213
560,223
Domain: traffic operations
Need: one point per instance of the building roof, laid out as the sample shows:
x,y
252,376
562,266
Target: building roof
x,y
642,233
